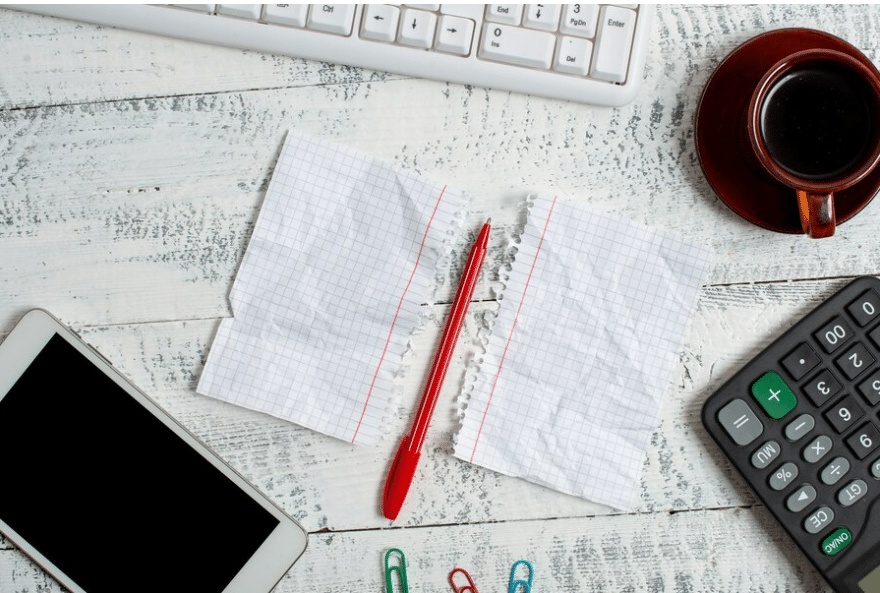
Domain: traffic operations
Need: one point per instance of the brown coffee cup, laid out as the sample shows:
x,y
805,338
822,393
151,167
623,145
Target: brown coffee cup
x,y
813,123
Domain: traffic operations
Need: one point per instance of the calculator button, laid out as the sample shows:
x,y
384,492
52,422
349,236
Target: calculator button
x,y
855,361
833,335
875,469
801,498
774,395
834,471
822,387
765,454
844,413
819,520
817,449
837,541
799,427
865,308
801,361
864,440
740,422
852,493
783,476
875,336
870,389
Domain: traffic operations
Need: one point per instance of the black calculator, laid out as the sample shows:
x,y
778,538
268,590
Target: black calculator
x,y
800,423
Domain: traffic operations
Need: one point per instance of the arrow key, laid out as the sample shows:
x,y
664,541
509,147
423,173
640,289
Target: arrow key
x,y
380,22
455,35
417,28
801,498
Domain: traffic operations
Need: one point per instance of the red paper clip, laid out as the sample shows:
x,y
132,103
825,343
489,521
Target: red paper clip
x,y
469,588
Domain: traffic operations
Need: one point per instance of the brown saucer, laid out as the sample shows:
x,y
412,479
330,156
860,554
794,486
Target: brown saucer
x,y
727,163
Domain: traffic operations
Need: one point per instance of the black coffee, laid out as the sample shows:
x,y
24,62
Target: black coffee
x,y
818,121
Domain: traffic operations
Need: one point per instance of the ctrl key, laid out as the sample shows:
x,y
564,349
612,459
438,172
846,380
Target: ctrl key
x,y
740,422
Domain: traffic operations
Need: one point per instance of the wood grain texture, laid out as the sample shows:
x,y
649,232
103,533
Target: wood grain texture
x,y
132,169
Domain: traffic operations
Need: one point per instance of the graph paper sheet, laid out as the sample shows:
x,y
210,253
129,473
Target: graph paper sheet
x,y
329,290
591,323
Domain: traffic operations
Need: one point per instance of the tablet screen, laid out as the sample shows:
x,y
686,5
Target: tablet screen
x,y
111,495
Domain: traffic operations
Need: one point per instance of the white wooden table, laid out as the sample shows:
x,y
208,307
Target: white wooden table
x,y
132,168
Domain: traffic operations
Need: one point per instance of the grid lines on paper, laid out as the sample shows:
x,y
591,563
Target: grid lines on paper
x,y
342,255
579,386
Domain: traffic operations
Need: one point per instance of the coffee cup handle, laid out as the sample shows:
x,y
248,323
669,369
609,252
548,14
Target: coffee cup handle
x,y
817,214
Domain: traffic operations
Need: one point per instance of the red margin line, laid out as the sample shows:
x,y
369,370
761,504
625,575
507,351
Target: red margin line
x,y
397,313
513,327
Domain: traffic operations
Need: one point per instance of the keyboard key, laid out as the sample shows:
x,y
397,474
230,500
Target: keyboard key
x,y
242,11
613,43
866,308
799,427
837,541
505,14
573,56
782,477
332,18
821,388
819,520
834,334
542,16
864,440
740,422
380,22
523,47
801,361
855,361
417,28
207,8
580,20
844,413
834,471
455,35
852,493
818,449
765,454
870,389
289,15
801,498
774,395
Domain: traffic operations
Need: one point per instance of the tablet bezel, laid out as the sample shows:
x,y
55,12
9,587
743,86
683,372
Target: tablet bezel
x,y
264,568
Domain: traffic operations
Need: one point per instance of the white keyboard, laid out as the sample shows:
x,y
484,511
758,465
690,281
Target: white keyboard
x,y
589,53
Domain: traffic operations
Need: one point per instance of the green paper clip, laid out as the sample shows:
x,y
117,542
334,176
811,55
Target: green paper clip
x,y
400,569
515,583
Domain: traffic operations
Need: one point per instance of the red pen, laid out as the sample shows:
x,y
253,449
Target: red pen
x,y
404,467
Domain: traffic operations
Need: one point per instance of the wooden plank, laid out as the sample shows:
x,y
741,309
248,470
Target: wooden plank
x,y
140,211
723,551
325,483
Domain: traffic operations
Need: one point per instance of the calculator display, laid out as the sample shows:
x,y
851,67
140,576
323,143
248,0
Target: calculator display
x,y
871,583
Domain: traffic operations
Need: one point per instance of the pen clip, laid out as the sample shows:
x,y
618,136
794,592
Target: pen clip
x,y
400,569
469,588
516,583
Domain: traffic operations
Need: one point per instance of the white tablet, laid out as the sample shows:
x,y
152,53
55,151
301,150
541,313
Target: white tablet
x,y
107,492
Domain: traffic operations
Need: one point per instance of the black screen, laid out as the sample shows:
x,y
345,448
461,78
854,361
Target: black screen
x,y
111,495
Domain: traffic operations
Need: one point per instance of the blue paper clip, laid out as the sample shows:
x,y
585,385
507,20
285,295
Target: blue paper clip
x,y
400,569
515,583
469,588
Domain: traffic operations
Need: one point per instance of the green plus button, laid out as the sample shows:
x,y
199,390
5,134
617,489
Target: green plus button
x,y
837,542
774,395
